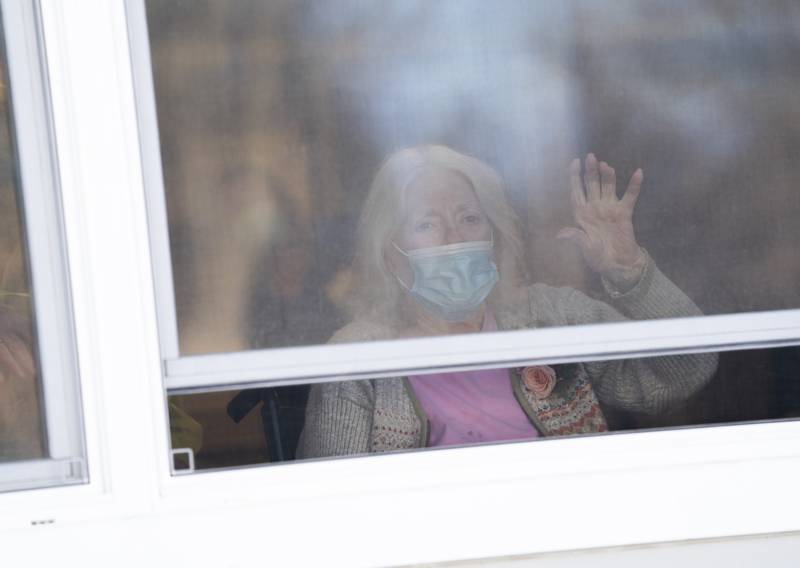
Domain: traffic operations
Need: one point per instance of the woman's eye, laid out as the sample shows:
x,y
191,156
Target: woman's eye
x,y
424,226
472,219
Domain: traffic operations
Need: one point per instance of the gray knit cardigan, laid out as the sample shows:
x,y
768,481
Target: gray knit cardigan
x,y
359,417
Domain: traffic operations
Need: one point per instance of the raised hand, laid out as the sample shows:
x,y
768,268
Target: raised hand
x,y
605,227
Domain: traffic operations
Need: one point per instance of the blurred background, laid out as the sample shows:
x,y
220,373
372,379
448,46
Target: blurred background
x,y
274,116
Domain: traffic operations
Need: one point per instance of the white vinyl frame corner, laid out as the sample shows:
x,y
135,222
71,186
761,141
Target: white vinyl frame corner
x,y
608,490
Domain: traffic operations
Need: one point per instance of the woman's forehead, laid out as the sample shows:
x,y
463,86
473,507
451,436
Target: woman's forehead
x,y
437,188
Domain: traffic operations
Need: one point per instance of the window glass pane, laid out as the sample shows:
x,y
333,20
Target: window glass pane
x,y
237,428
275,118
22,433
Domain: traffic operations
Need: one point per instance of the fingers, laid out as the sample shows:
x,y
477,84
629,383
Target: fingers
x,y
634,188
576,194
576,236
608,182
600,182
591,177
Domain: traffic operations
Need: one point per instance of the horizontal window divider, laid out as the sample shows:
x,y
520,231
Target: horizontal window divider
x,y
376,359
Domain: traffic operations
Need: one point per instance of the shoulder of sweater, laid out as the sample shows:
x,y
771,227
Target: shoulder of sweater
x,y
534,305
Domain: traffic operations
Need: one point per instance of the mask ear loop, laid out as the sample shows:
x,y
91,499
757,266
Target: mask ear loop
x,y
401,251
405,254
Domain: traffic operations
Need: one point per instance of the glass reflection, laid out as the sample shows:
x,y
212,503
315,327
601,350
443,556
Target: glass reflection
x,y
275,116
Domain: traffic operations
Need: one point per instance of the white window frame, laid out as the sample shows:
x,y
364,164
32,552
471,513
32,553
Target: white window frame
x,y
41,222
598,491
55,146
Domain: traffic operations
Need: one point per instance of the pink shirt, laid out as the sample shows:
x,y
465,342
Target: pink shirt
x,y
472,406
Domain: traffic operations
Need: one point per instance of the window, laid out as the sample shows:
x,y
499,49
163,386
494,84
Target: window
x,y
41,438
642,487
280,128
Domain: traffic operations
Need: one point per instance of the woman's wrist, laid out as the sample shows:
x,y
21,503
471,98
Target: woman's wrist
x,y
624,277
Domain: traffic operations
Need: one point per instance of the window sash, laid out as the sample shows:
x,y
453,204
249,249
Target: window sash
x,y
149,143
44,233
316,363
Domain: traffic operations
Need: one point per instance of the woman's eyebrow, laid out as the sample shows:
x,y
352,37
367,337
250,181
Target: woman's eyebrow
x,y
467,206
424,213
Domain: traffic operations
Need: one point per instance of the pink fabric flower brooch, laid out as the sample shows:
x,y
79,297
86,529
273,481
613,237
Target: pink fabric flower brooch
x,y
539,380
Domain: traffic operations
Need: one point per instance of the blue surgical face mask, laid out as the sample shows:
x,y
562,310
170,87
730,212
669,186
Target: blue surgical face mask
x,y
452,281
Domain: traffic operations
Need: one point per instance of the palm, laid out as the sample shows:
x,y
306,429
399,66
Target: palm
x,y
605,234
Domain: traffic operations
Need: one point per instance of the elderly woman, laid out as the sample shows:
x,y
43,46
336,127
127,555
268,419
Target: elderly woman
x,y
440,253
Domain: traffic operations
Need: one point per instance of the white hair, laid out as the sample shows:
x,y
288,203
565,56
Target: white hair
x,y
377,296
